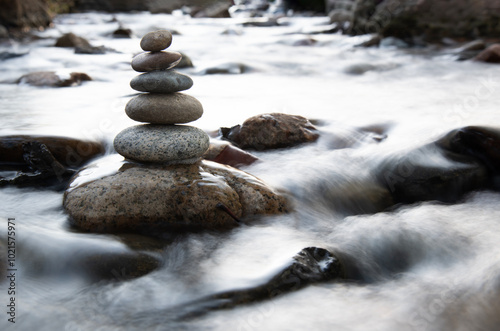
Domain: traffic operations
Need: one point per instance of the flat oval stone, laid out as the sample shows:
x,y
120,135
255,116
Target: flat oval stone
x,y
163,81
171,144
173,108
146,62
156,41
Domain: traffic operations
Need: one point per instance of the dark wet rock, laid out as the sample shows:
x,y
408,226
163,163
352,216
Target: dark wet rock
x,y
470,50
316,6
70,152
10,55
145,62
51,79
225,153
185,62
216,10
122,33
44,169
72,40
40,167
489,55
310,266
25,14
138,198
307,41
234,68
431,173
117,266
91,50
269,131
4,33
482,143
260,22
362,68
374,41
162,143
161,81
156,41
393,42
139,242
434,19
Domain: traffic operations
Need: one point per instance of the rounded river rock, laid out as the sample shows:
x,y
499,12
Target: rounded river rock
x,y
145,62
162,81
171,108
162,143
156,41
136,197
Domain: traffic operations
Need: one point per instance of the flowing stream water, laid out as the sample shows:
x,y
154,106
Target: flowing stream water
x,y
428,266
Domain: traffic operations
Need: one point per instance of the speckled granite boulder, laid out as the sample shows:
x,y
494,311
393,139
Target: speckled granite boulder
x,y
161,81
145,62
162,143
113,195
172,108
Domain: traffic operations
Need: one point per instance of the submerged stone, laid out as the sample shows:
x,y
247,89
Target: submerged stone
x,y
431,173
162,81
113,195
482,143
172,108
162,143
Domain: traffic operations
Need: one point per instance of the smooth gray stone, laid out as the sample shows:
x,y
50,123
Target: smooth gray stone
x,y
164,81
156,41
162,143
146,62
173,108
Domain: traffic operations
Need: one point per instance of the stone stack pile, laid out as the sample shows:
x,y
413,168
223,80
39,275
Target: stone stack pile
x,y
163,184
163,140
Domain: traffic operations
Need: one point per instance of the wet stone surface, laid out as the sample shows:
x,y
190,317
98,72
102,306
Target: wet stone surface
x,y
135,197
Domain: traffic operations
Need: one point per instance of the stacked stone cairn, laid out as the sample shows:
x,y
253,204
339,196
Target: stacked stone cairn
x,y
163,184
163,107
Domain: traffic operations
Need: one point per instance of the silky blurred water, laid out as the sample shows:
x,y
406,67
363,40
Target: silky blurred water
x,y
426,266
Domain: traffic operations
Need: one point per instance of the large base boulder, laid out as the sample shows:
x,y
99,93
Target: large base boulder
x,y
139,197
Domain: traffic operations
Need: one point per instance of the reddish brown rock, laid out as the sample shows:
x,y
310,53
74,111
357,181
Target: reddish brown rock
x,y
146,62
490,54
72,40
268,131
225,153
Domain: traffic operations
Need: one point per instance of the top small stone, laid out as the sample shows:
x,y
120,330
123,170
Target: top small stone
x,y
156,41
